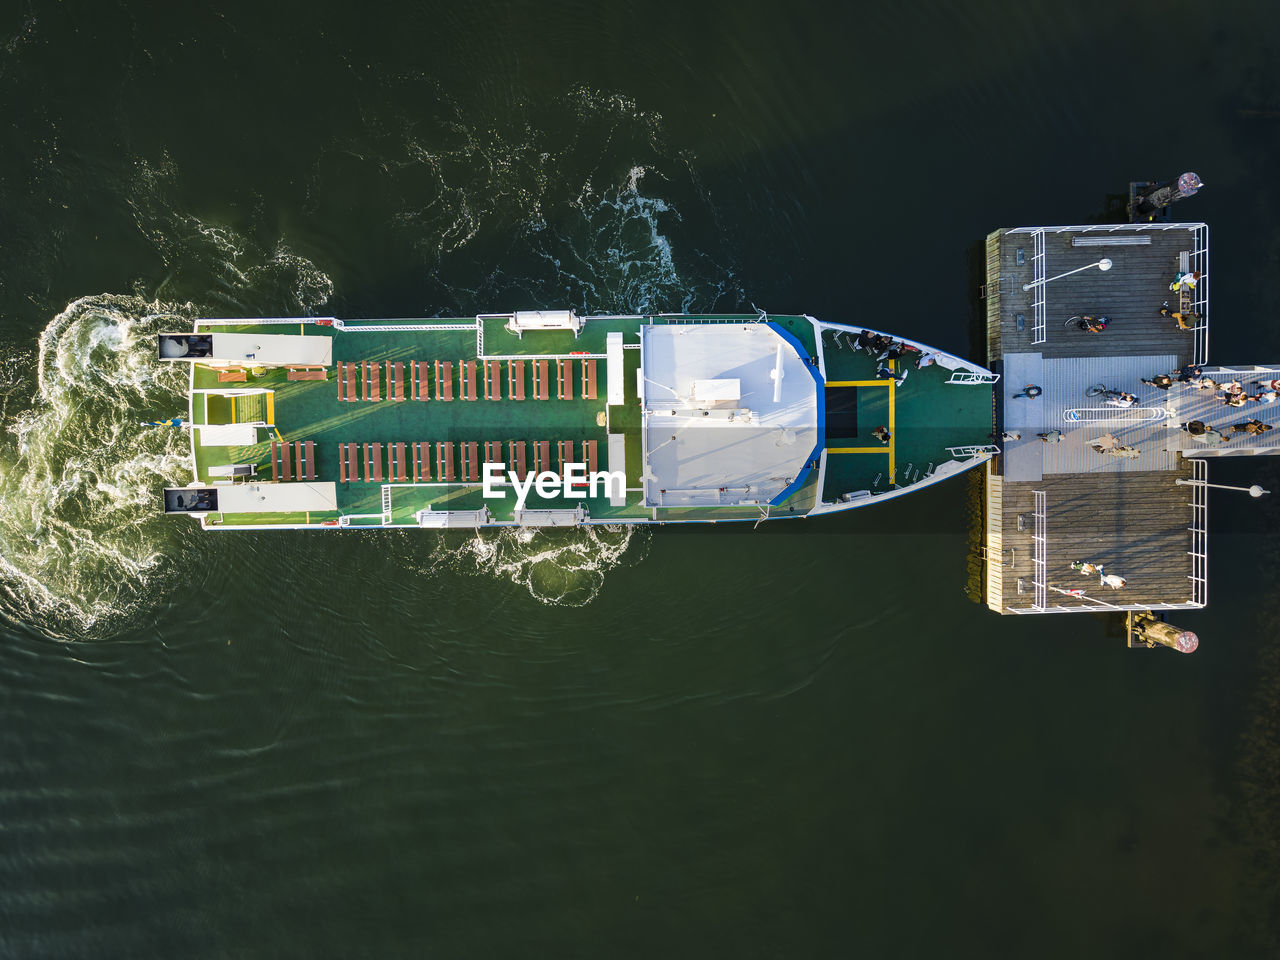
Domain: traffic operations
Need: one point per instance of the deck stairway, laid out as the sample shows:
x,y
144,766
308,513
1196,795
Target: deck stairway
x,y
249,408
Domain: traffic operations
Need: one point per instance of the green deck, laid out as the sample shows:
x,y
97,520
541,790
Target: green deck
x,y
929,417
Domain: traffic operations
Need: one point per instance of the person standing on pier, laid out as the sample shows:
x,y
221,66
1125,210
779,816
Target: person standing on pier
x,y
1189,373
1161,380
1251,427
1121,400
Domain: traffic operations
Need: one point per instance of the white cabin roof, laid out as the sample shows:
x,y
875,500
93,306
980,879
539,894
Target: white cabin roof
x,y
729,443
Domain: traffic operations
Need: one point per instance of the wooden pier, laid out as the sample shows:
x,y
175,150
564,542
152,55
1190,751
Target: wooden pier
x,y
1052,504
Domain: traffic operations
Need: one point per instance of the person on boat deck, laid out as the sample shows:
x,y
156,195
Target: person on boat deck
x,y
866,341
1233,400
882,434
1161,380
893,353
1123,400
884,373
925,360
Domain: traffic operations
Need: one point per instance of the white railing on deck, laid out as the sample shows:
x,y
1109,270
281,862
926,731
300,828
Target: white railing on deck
x,y
1199,532
1038,308
1039,564
1200,296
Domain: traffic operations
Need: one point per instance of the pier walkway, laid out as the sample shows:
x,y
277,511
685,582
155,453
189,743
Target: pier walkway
x,y
1105,487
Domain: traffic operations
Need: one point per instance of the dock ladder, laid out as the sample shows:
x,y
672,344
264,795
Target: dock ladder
x,y
386,503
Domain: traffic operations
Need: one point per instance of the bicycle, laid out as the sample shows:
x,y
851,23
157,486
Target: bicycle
x,y
1088,323
1112,398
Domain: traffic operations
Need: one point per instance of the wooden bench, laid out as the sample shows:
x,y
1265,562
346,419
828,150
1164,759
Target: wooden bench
x,y
444,379
305,456
517,462
471,462
373,463
282,450
1112,240
541,389
347,381
444,461
350,464
541,456
564,450
307,373
1184,295
564,374
493,453
371,380
395,380
232,375
492,380
589,379
421,462
275,459
515,379
399,472
589,456
419,369
468,379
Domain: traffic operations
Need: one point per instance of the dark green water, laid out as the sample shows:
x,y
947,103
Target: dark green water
x,y
802,741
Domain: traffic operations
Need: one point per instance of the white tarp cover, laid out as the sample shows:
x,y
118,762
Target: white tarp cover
x,y
613,368
617,463
277,497
271,349
228,435
718,456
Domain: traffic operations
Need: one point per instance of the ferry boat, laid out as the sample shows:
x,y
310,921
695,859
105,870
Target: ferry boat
x,y
546,418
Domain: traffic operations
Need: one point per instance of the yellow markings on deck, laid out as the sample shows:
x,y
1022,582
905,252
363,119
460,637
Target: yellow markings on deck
x,y
278,437
893,431
271,406
892,385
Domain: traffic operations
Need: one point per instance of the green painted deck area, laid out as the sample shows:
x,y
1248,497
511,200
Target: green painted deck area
x,y
311,410
929,415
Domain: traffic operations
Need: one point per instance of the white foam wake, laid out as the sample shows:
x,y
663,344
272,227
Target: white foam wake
x,y
80,534
558,567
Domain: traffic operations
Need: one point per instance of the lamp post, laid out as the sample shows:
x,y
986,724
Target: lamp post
x,y
1255,491
1104,265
